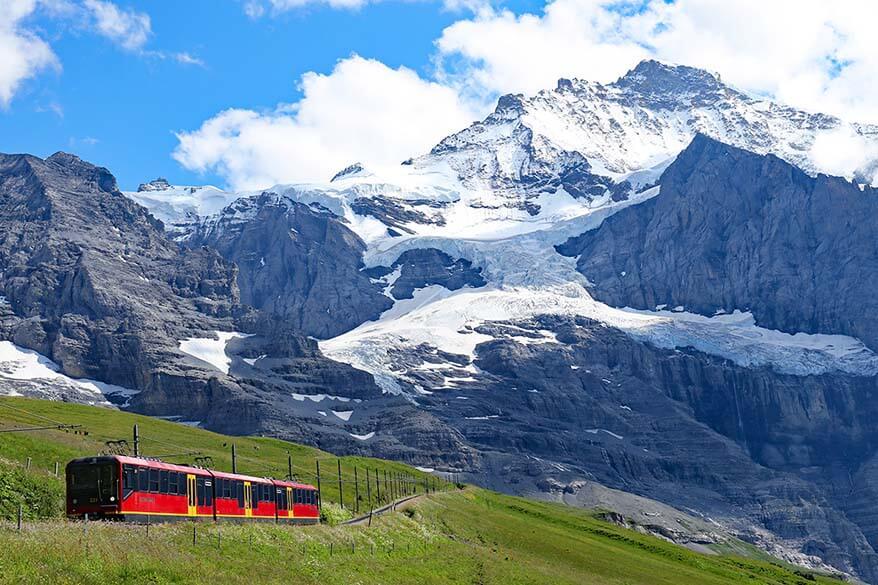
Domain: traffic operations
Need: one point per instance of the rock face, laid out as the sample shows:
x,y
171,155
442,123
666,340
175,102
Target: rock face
x,y
420,268
88,278
92,281
732,230
296,262
745,446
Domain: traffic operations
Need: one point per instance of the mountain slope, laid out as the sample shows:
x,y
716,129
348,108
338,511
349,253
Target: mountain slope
x,y
732,230
453,536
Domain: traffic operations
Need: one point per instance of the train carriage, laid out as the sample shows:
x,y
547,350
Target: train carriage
x,y
296,502
137,489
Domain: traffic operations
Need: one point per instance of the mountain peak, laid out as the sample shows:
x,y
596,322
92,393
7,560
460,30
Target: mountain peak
x,y
666,85
159,184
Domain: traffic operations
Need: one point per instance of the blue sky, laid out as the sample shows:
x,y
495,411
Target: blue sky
x,y
213,91
119,108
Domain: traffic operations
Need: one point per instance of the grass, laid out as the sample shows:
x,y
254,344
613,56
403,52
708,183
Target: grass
x,y
260,456
457,536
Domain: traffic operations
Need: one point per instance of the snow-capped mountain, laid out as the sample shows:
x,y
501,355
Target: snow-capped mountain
x,y
527,303
180,207
627,128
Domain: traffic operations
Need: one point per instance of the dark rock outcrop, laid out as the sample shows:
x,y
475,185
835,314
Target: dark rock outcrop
x,y
297,263
735,230
423,267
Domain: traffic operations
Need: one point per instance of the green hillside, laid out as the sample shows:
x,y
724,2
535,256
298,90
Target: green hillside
x,y
450,536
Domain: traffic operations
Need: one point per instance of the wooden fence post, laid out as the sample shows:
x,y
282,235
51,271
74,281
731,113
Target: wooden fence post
x,y
356,492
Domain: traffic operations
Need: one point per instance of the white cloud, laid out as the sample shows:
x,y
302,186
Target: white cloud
x,y
502,52
258,8
22,53
810,53
844,152
362,111
128,28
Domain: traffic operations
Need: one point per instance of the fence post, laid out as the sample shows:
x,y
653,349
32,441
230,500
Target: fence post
x,y
369,491
340,488
56,469
377,486
356,492
20,513
194,541
27,465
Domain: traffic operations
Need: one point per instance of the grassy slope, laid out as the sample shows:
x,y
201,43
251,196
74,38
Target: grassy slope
x,y
469,536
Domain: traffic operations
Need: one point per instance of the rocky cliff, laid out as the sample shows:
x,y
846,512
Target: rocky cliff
x,y
732,230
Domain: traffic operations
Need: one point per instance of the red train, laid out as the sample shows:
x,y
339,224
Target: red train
x,y
135,489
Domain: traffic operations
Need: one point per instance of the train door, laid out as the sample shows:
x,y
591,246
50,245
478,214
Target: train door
x,y
248,499
291,514
190,490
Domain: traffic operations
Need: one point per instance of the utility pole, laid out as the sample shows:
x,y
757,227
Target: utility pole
x,y
136,441
319,493
234,459
340,490
289,467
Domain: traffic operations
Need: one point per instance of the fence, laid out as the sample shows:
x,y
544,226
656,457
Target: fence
x,y
356,487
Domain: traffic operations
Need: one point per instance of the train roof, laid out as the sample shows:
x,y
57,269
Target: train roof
x,y
156,464
293,484
153,463
242,477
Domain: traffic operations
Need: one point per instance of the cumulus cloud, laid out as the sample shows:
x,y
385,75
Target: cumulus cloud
x,y
127,28
22,53
502,52
362,111
813,54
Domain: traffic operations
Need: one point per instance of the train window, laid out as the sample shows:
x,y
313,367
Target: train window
x,y
239,486
163,484
154,480
173,486
199,491
129,477
227,488
208,493
142,479
280,499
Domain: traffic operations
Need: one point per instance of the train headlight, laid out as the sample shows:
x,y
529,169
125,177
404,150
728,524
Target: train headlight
x,y
75,501
112,498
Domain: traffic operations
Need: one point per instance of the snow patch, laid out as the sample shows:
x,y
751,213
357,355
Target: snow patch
x,y
211,351
365,437
344,415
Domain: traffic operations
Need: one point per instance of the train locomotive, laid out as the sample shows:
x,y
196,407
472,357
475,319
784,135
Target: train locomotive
x,y
135,489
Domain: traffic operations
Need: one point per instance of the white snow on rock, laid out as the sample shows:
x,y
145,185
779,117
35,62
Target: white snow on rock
x,y
344,415
365,437
211,351
179,207
46,380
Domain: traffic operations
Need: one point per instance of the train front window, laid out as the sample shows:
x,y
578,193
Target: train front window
x,y
93,483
